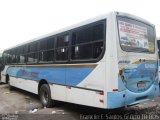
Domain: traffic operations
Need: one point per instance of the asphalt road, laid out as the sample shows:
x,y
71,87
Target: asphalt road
x,y
21,105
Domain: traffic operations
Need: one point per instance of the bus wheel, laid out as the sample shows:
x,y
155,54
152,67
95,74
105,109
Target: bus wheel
x,y
45,96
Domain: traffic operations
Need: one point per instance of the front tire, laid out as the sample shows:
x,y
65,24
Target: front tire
x,y
45,96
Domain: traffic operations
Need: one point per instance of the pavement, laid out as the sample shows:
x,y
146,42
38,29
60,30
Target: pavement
x,y
21,105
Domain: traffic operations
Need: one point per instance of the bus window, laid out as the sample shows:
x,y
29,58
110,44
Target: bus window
x,y
136,36
87,43
62,48
46,53
32,56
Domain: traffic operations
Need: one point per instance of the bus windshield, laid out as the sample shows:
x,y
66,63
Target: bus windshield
x,y
135,36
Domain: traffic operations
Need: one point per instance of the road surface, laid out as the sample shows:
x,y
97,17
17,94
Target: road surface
x,y
21,105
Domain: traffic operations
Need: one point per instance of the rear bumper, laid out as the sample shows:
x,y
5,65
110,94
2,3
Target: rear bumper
x,y
126,97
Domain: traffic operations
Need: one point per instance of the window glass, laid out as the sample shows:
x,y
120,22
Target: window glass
x,y
62,54
98,32
84,35
13,55
46,56
32,57
62,48
136,36
89,34
97,49
33,47
87,51
7,57
88,43
62,41
18,50
82,52
43,44
22,59
46,53
50,43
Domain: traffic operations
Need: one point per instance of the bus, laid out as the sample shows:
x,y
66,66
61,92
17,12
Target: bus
x,y
108,62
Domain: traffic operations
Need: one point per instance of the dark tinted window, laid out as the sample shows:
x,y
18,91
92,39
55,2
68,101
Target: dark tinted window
x,y
62,41
32,54
92,33
7,58
13,55
32,58
62,54
46,56
46,53
62,48
33,47
98,32
43,45
50,43
87,51
88,43
47,43
22,58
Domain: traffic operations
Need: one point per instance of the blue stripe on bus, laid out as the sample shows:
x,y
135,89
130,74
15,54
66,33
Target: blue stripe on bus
x,y
64,76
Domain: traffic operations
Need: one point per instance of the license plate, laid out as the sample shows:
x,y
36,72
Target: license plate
x,y
141,84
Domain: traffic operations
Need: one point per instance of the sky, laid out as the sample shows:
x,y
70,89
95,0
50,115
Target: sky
x,y
23,20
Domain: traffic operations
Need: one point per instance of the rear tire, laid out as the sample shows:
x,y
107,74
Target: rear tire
x,y
45,96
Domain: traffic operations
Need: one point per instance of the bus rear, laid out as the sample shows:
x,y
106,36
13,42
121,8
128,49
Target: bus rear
x,y
137,62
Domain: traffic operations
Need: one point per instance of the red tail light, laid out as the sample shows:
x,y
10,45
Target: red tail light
x,y
101,101
115,90
101,93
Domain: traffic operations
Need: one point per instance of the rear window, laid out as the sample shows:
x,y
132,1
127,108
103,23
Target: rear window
x,y
136,36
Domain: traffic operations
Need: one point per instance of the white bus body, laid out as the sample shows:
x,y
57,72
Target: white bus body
x,y
121,71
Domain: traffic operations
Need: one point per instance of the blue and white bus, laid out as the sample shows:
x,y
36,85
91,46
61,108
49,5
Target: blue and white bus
x,y
108,62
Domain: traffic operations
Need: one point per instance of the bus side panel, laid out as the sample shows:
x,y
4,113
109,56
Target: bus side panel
x,y
58,92
87,90
28,85
85,97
